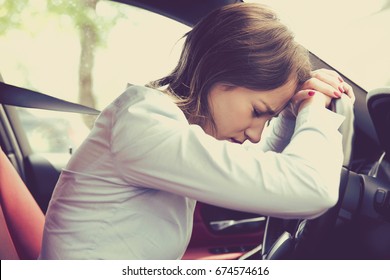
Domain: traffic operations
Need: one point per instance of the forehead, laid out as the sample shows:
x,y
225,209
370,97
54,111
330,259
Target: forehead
x,y
277,98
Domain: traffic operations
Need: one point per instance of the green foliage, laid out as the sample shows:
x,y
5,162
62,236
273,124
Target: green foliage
x,y
33,16
10,13
82,13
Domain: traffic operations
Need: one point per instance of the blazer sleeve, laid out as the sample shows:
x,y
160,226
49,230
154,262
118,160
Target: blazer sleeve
x,y
278,134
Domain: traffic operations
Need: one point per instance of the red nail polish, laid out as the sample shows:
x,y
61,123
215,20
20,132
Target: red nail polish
x,y
311,93
341,89
341,80
338,94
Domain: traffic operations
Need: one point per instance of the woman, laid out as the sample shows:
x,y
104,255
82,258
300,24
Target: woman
x,y
130,190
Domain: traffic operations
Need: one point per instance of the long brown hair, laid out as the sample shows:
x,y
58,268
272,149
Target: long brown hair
x,y
242,45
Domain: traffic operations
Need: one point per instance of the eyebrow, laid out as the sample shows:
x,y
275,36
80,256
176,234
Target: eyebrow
x,y
271,111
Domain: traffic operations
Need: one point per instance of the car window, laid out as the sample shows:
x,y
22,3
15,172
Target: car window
x,y
81,51
352,36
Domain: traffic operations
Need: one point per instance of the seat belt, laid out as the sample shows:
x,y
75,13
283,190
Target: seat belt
x,y
16,96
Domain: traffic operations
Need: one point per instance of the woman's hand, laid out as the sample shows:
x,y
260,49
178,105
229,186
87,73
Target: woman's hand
x,y
324,86
328,82
306,97
320,89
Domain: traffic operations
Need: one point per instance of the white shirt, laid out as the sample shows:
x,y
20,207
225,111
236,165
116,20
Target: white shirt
x,y
130,189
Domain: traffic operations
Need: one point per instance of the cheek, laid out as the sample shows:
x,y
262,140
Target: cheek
x,y
233,121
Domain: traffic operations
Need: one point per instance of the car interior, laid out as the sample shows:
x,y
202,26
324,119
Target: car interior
x,y
357,227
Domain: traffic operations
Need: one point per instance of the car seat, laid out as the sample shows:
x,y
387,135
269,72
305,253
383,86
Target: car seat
x,y
21,220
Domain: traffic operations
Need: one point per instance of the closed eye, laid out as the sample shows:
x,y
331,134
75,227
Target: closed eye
x,y
257,113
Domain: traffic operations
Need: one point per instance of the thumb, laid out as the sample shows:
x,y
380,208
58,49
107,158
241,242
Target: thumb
x,y
310,97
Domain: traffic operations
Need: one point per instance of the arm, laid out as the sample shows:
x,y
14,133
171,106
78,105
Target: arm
x,y
329,83
278,133
155,149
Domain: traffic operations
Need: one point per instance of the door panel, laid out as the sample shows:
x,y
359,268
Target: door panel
x,y
220,233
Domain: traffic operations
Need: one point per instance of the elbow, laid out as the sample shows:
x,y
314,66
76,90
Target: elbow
x,y
319,192
323,188
326,203
332,199
325,199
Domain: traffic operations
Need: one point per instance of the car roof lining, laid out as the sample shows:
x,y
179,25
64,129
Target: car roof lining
x,y
188,12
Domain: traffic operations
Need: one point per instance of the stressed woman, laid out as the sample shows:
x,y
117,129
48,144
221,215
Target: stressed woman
x,y
130,190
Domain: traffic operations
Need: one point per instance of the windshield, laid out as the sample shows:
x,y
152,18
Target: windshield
x,y
353,36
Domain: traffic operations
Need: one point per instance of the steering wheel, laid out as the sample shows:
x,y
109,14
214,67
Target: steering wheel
x,y
301,239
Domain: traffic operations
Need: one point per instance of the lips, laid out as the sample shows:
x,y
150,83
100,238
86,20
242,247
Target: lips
x,y
235,141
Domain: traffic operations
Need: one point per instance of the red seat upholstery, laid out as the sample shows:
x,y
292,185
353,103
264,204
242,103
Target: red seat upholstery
x,y
23,217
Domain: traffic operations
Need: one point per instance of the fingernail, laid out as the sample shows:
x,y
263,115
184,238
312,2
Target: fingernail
x,y
311,93
341,89
337,94
341,80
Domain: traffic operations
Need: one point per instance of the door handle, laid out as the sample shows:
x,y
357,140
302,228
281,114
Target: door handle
x,y
224,224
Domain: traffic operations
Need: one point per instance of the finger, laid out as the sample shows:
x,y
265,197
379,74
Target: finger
x,y
302,95
330,72
324,85
349,92
343,87
330,77
306,97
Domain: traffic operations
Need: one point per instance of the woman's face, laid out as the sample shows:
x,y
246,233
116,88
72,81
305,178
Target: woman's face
x,y
240,114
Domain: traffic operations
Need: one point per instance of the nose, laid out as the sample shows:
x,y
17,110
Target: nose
x,y
254,131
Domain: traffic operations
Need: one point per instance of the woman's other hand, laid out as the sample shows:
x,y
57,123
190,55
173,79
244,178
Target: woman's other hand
x,y
328,82
321,88
306,97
